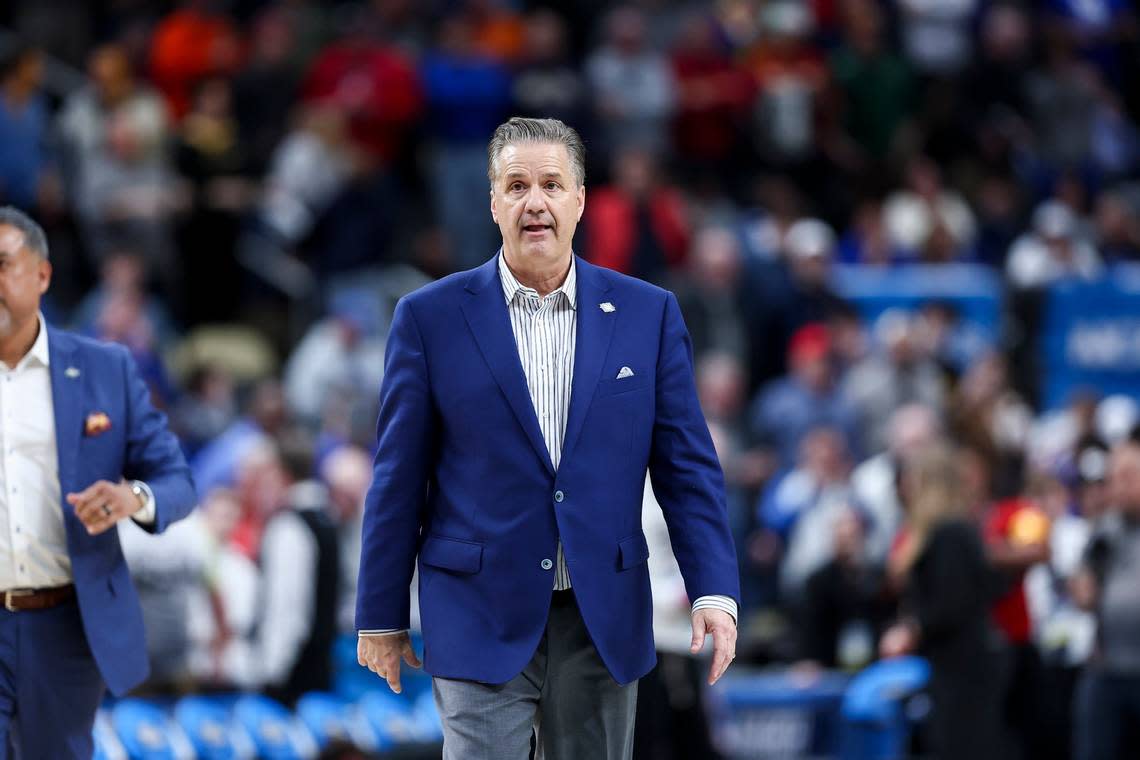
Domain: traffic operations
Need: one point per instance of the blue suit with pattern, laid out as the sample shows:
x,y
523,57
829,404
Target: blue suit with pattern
x,y
463,479
99,638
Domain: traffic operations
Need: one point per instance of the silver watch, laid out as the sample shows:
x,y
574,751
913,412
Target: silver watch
x,y
140,493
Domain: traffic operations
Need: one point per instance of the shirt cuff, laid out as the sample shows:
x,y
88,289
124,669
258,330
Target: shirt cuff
x,y
381,632
147,512
716,602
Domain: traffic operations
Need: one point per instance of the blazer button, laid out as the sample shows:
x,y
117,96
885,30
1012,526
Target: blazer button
x,y
559,496
547,564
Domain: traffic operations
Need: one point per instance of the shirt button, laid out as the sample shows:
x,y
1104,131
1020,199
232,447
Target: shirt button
x,y
547,564
559,496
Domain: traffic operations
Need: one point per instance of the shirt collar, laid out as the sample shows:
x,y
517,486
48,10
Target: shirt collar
x,y
511,285
39,350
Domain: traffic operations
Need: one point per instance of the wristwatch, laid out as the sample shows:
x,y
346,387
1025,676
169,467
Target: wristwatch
x,y
141,492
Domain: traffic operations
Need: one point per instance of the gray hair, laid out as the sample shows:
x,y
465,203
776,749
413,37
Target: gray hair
x,y
521,130
34,238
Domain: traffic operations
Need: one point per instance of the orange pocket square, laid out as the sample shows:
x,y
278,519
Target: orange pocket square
x,y
96,424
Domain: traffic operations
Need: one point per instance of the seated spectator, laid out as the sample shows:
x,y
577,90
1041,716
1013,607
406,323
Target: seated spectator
x,y
786,410
846,605
708,293
340,358
631,85
638,225
115,139
802,506
900,372
928,221
913,428
27,177
1051,251
547,84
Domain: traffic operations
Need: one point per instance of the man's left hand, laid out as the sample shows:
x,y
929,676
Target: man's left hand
x,y
102,504
723,629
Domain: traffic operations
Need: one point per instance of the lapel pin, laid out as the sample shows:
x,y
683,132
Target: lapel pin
x,y
72,372
606,306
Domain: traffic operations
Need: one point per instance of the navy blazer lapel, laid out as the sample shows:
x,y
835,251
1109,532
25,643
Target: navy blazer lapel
x,y
66,372
595,330
486,313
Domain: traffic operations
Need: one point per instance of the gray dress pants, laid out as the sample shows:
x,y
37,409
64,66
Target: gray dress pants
x,y
564,695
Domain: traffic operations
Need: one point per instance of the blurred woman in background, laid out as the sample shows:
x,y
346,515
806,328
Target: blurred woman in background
x,y
940,565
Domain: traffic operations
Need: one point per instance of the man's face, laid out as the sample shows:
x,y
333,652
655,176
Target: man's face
x,y
536,203
24,277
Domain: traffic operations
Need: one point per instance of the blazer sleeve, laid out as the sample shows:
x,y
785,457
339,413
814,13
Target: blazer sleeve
x,y
405,433
153,454
685,472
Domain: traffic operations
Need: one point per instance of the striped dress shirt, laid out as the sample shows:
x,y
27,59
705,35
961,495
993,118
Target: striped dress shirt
x,y
545,332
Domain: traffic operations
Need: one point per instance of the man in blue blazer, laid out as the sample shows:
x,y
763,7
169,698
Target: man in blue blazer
x,y
522,403
81,448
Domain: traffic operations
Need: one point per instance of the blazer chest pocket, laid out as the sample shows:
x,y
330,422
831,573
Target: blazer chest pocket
x,y
452,554
624,385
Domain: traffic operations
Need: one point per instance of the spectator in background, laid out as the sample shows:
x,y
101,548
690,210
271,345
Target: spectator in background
x,y
347,473
197,40
1051,251
498,31
638,224
867,241
209,154
802,507
223,608
299,557
791,79
714,93
1117,228
875,86
265,89
468,94
786,410
205,409
115,139
264,415
988,415
375,88
913,429
340,359
945,615
27,178
937,35
925,213
632,86
901,372
709,294
1108,695
123,270
1063,634
846,605
1016,532
546,83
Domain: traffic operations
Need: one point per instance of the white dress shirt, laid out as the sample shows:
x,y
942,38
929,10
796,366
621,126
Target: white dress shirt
x,y
33,541
545,332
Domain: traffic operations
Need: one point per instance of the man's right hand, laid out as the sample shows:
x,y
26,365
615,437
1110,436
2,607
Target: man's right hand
x,y
381,654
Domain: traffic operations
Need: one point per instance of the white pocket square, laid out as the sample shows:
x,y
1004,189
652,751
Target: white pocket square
x,y
624,372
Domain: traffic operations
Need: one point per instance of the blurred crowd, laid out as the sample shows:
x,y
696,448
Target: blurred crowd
x,y
240,191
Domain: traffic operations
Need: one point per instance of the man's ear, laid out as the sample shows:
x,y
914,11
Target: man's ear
x,y
581,201
44,276
494,209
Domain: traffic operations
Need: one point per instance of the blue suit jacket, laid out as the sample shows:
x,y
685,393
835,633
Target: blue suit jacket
x,y
89,377
463,478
